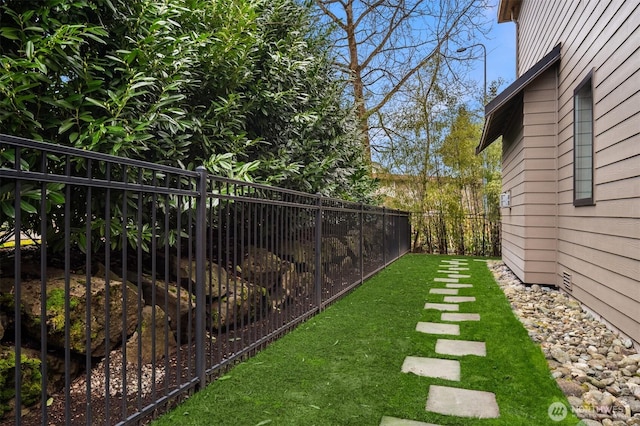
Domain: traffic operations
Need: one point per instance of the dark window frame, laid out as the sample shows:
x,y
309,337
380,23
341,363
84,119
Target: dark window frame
x,y
585,201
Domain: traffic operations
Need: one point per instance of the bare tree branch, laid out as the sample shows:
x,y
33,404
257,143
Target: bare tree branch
x,y
387,42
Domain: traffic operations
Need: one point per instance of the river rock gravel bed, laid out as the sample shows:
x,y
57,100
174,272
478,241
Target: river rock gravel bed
x,y
597,368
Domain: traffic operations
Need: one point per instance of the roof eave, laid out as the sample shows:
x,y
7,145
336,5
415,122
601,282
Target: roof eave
x,y
508,10
511,93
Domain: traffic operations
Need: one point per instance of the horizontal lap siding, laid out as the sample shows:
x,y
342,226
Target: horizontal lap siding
x,y
598,245
529,227
540,140
513,231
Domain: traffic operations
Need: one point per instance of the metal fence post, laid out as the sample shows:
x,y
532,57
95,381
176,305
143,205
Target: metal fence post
x,y
318,251
409,232
361,242
397,222
201,226
384,237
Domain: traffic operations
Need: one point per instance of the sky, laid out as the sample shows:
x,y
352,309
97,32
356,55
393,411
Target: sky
x,y
501,50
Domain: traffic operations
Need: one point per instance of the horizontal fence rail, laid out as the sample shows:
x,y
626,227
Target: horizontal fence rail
x,y
126,286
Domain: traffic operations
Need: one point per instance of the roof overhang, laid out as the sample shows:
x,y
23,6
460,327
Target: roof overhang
x,y
498,112
508,10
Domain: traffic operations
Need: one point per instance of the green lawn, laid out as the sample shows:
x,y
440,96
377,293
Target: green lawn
x,y
342,367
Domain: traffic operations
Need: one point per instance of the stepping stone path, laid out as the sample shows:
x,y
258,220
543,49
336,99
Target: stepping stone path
x,y
458,299
460,347
456,285
443,291
438,328
441,306
394,421
432,367
460,317
449,400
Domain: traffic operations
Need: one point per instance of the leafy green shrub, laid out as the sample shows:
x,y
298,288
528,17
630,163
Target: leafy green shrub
x,y
245,88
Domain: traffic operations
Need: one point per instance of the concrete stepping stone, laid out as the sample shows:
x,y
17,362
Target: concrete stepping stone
x,y
454,268
455,262
460,317
448,369
446,280
438,328
441,306
457,285
458,276
394,421
449,291
458,299
462,402
460,347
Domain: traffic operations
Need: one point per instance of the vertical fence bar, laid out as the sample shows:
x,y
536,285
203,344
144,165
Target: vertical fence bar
x,y
140,302
107,298
43,290
88,314
17,297
318,251
201,213
67,294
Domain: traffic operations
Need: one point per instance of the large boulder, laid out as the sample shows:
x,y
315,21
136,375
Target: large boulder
x,y
216,277
77,296
293,284
352,241
262,267
333,250
143,339
179,303
241,302
300,252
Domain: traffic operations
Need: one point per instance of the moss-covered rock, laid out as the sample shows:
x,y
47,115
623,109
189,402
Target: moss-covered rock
x,y
31,387
58,298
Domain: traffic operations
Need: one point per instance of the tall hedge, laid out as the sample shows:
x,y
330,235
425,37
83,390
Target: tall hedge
x,y
244,87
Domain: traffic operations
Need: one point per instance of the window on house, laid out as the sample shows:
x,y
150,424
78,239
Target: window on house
x,y
583,143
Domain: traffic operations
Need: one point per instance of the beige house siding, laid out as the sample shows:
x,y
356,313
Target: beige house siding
x,y
599,246
529,175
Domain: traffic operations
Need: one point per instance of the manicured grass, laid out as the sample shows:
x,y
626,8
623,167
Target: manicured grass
x,y
342,367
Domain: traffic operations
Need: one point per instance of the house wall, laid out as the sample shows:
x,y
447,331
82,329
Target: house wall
x,y
528,167
598,246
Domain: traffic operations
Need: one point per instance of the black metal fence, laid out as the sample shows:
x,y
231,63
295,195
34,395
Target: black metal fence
x,y
125,286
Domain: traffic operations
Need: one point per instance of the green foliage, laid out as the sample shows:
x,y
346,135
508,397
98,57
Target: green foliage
x,y
452,192
31,379
245,88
